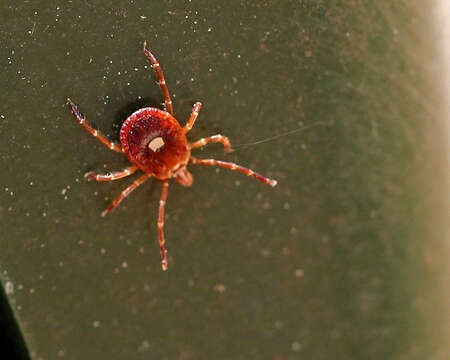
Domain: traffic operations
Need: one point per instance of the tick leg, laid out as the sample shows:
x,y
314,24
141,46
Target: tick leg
x,y
212,139
195,110
111,176
232,166
125,193
161,80
162,204
82,121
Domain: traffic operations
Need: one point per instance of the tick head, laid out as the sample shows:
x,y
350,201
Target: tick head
x,y
184,177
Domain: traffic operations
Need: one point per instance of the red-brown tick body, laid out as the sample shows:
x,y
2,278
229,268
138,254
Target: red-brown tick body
x,y
155,143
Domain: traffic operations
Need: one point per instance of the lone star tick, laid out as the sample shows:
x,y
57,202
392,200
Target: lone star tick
x,y
155,143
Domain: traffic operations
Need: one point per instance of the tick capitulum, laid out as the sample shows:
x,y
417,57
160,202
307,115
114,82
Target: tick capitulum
x,y
155,143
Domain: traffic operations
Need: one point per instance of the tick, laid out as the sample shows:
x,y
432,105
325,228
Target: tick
x,y
156,144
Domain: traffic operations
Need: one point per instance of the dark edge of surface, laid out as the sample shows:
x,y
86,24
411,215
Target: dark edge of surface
x,y
11,339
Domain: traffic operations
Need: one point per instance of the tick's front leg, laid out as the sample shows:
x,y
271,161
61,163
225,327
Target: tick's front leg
x,y
111,176
161,79
125,193
82,121
232,166
212,139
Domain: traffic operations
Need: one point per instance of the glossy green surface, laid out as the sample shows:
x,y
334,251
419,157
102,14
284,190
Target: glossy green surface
x,y
343,260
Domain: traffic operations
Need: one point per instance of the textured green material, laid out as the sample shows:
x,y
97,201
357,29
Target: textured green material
x,y
340,261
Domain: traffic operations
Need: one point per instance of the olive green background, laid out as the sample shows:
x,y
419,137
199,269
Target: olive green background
x,y
345,259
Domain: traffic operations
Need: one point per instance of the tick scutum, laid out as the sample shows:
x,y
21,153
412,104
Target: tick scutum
x,y
154,141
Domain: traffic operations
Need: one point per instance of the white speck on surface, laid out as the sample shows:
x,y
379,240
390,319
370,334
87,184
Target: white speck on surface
x,y
220,288
145,345
9,288
296,346
299,273
265,252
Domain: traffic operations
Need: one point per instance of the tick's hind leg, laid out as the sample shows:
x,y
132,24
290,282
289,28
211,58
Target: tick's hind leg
x,y
232,166
212,139
111,176
162,204
161,80
82,121
125,193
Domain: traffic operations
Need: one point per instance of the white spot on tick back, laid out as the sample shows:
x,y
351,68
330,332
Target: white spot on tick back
x,y
156,144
